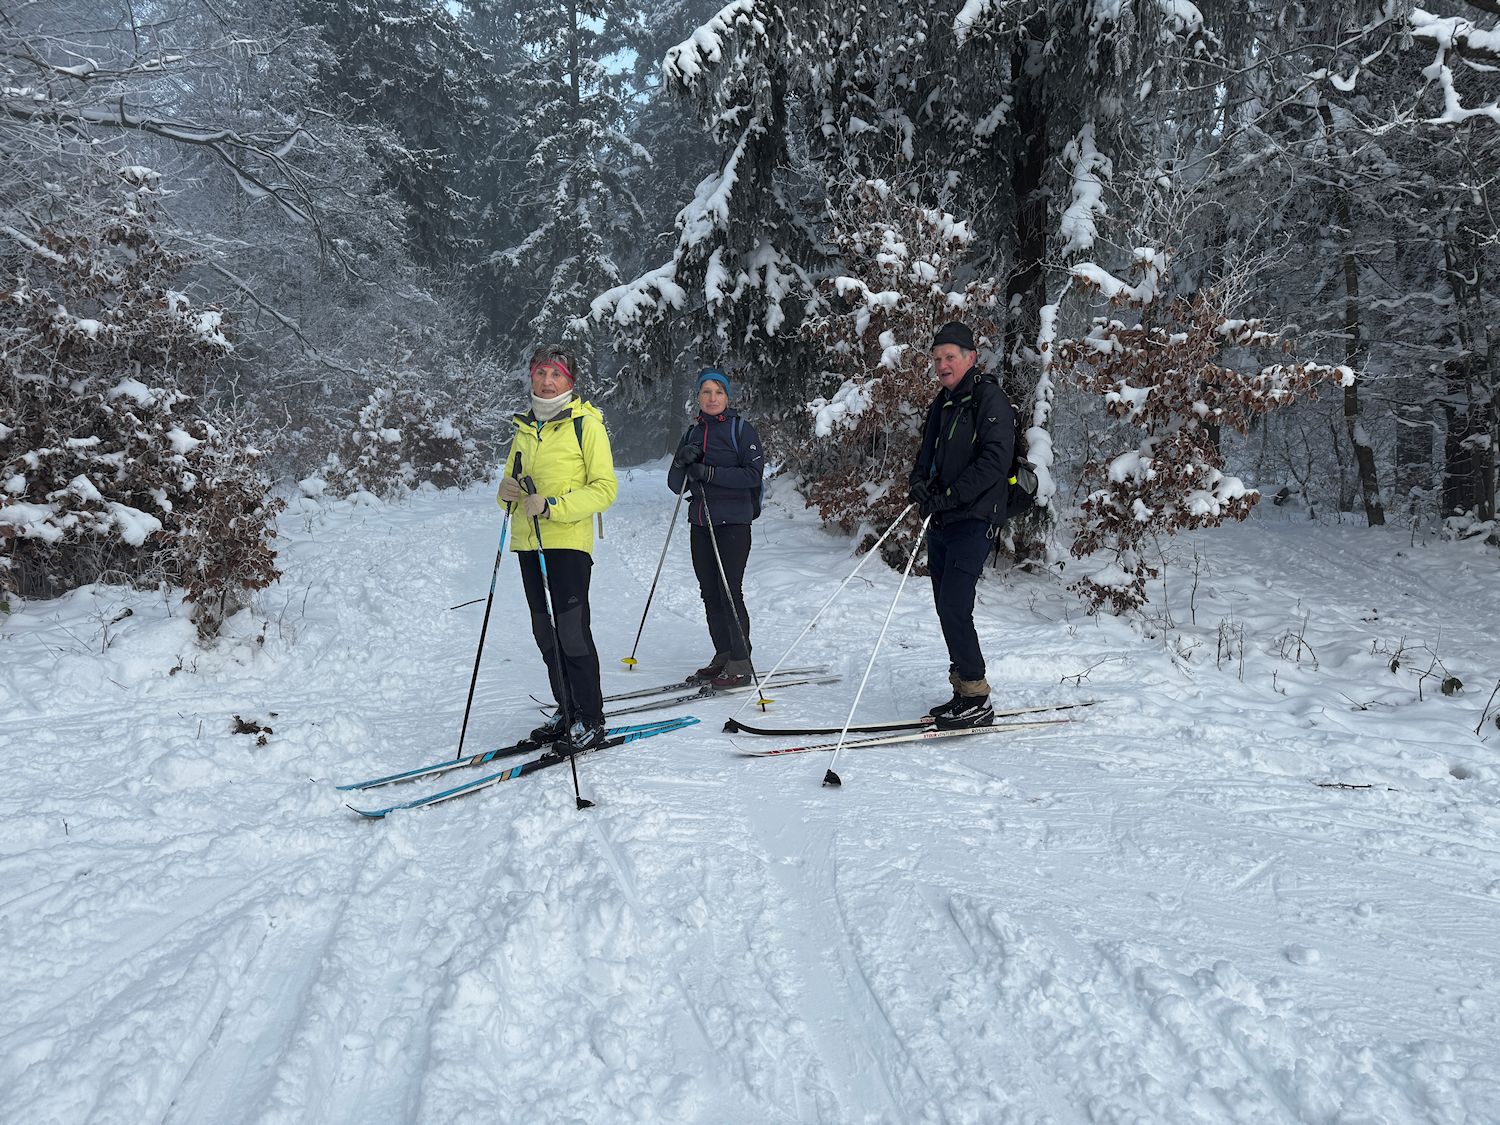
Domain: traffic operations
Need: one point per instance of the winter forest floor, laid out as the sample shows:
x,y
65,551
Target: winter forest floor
x,y
1258,882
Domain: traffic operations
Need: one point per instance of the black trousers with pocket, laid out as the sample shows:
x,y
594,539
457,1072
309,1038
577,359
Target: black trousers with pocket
x,y
720,606
574,671
955,560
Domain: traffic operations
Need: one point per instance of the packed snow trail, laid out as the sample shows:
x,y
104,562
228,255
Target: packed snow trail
x,y
1172,910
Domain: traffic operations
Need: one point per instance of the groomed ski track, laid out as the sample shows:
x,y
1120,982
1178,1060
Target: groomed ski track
x,y
1156,915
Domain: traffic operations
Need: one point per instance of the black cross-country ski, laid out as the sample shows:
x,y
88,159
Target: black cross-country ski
x,y
735,726
903,736
523,769
524,746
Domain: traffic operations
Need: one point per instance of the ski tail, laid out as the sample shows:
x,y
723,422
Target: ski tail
x,y
925,735
736,726
713,693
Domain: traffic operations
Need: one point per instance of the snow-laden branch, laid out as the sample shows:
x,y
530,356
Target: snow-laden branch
x,y
972,17
685,63
1459,36
1080,222
653,293
34,246
1149,264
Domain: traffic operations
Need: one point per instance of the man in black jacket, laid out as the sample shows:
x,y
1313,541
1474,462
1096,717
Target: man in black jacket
x,y
961,481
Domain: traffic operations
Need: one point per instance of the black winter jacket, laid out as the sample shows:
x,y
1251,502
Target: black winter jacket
x,y
968,443
733,486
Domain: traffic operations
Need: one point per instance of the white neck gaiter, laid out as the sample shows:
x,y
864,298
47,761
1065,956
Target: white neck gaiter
x,y
546,409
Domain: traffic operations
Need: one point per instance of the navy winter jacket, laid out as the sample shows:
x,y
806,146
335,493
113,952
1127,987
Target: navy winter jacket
x,y
968,442
734,480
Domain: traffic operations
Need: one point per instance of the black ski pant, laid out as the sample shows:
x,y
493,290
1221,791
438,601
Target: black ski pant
x,y
720,607
955,559
575,671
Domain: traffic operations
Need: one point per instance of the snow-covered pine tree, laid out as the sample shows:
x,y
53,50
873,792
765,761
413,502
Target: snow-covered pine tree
x,y
575,205
740,276
409,72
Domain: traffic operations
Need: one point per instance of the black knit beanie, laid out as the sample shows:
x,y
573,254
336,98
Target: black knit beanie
x,y
954,333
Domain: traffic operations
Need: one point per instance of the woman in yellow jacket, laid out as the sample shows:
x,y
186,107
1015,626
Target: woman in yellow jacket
x,y
559,470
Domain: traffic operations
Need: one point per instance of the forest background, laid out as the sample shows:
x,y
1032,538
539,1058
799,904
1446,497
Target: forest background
x,y
1216,251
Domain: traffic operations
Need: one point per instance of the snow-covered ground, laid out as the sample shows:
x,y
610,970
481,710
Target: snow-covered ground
x,y
1258,882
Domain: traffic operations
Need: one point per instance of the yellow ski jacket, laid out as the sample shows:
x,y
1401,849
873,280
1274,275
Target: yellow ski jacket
x,y
569,460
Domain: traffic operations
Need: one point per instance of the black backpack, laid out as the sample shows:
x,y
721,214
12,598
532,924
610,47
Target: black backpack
x,y
1023,482
1021,494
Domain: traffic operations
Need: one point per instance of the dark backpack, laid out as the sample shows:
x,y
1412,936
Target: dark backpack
x,y
734,443
1021,494
1023,482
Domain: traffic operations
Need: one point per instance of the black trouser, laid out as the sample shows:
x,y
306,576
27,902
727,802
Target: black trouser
x,y
955,559
568,577
721,608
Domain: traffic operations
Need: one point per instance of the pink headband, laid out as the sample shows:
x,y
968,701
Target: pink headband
x,y
555,362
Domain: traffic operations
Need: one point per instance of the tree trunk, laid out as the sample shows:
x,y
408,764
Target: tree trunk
x,y
1469,476
1354,345
1459,491
1413,455
1025,291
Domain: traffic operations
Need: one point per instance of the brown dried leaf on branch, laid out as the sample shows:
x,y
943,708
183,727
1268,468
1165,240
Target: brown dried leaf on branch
x,y
864,432
1170,377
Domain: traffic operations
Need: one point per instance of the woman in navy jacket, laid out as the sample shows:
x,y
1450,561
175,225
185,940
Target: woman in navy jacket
x,y
720,461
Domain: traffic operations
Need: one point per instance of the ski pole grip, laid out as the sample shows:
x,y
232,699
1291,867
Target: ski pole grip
x,y
527,485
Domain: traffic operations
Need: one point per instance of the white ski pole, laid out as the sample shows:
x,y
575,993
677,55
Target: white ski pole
x,y
831,778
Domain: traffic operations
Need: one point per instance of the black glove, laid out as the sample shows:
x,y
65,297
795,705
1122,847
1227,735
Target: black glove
x,y
943,501
919,493
687,455
697,472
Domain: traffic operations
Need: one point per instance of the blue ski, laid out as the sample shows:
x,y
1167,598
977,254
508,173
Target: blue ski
x,y
525,768
524,746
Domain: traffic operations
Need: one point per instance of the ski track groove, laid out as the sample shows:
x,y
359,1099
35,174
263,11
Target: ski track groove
x,y
1036,982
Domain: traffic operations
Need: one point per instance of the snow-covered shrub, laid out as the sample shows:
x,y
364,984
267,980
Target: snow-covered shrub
x,y
1165,378
401,439
107,468
866,428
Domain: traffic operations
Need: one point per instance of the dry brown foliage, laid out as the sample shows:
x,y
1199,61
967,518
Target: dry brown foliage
x,y
901,288
107,467
1168,378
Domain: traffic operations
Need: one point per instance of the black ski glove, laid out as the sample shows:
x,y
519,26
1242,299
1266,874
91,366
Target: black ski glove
x,y
687,455
919,493
943,501
698,472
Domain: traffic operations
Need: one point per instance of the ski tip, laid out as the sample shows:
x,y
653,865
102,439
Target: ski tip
x,y
368,814
832,780
731,726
